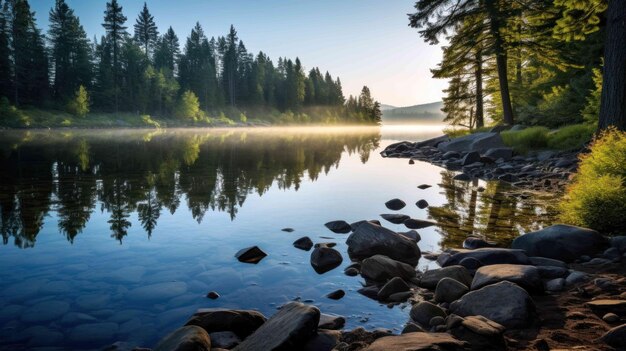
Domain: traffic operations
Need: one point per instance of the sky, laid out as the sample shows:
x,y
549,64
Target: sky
x,y
364,42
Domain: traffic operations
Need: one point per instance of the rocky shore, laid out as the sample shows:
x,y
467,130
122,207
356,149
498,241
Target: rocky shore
x,y
562,287
485,156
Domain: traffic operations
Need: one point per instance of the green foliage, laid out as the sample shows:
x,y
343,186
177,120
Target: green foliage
x,y
243,118
79,105
188,107
597,197
571,137
149,121
527,139
12,116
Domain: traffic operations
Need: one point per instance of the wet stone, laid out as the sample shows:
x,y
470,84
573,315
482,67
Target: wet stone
x,y
252,254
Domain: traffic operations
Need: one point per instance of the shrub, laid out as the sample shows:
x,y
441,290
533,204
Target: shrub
x,y
79,106
527,139
243,118
597,197
12,116
188,106
571,137
146,119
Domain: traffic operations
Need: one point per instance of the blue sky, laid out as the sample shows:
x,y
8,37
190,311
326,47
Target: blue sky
x,y
364,42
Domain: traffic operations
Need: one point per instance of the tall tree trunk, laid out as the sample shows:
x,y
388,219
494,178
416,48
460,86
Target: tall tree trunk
x,y
501,60
480,121
613,103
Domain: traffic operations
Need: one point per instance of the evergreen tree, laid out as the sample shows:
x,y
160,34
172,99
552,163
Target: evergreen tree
x,y
230,56
6,74
197,68
146,32
167,51
114,21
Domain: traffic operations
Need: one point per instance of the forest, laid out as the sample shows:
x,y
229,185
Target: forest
x,y
62,78
548,62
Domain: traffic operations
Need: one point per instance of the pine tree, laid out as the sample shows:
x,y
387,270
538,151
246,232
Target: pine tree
x,y
167,51
6,74
229,65
114,21
146,32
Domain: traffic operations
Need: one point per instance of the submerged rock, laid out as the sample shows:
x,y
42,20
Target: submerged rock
x,y
305,243
189,338
324,259
395,204
370,239
340,227
289,329
561,242
252,254
336,295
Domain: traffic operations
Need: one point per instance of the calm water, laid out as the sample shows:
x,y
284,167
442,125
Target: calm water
x,y
119,235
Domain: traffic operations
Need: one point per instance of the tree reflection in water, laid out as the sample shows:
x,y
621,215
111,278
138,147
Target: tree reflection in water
x,y
498,213
123,172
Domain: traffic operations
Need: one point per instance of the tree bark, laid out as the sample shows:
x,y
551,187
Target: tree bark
x,y
613,100
480,121
501,61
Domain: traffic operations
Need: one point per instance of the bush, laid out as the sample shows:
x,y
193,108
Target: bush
x,y
571,137
188,106
11,116
243,118
79,106
597,197
527,139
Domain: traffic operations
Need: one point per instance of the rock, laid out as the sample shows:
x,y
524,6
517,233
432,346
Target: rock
x,y
288,230
189,338
370,239
505,153
213,295
324,259
432,142
517,127
336,295
615,337
400,297
431,277
619,242
289,329
555,285
252,254
393,286
324,340
381,268
424,186
487,256
449,290
45,312
450,154
325,245
435,321
470,263
547,262
552,272
421,204
462,177
94,333
469,158
340,227
305,243
473,243
417,341
411,234
369,291
561,242
481,333
240,322
331,321
395,204
612,253
411,327
478,142
576,277
525,276
395,218
603,306
412,223
424,311
509,178
610,318
224,339
351,272
504,303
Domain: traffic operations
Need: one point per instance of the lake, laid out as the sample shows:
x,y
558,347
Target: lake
x,y
118,235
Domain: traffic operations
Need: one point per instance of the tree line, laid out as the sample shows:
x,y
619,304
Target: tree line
x,y
149,73
535,62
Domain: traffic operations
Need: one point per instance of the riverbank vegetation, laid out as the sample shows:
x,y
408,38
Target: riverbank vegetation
x,y
536,63
56,79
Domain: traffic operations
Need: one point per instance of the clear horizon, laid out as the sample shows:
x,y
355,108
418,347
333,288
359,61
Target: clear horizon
x,y
364,42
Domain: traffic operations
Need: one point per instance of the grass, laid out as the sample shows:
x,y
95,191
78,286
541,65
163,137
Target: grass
x,y
455,133
570,137
527,139
597,197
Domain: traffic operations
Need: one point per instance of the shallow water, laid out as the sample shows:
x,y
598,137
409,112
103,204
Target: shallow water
x,y
119,235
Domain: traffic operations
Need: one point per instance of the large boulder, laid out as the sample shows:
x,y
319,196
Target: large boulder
x,y
486,256
525,276
381,268
616,337
449,290
431,277
479,142
505,153
189,338
324,259
240,322
370,239
289,329
418,341
504,303
432,142
393,286
424,311
561,242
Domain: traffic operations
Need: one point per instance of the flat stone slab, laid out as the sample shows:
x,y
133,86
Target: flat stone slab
x,y
525,276
606,305
418,341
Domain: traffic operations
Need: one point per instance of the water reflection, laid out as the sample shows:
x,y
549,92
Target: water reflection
x,y
492,210
77,173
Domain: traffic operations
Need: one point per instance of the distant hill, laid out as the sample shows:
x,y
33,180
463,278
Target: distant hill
x,y
414,114
384,107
